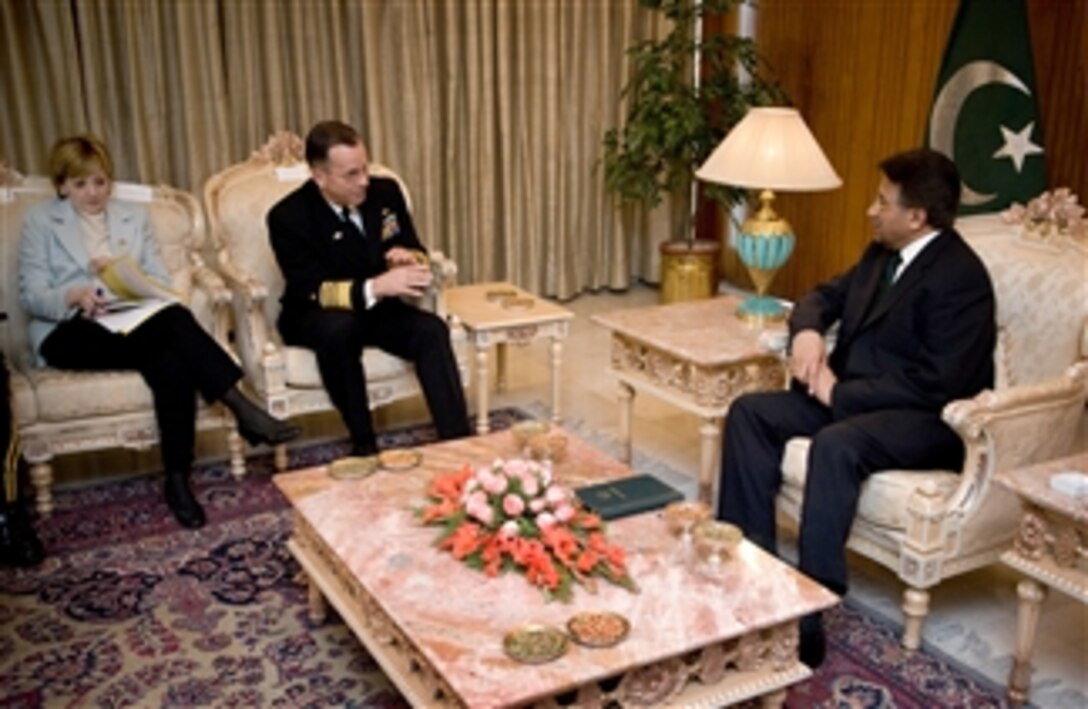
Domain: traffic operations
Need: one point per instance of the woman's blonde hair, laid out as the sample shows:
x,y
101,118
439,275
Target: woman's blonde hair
x,y
78,156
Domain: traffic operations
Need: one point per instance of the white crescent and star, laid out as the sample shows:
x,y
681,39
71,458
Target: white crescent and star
x,y
946,113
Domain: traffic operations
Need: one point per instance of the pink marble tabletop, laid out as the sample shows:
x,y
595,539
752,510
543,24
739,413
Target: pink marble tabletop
x,y
457,616
704,332
1033,483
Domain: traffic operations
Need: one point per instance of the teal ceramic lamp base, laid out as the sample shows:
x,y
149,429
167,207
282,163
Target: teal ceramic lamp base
x,y
764,245
761,308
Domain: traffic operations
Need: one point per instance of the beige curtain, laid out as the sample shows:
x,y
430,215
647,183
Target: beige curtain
x,y
491,110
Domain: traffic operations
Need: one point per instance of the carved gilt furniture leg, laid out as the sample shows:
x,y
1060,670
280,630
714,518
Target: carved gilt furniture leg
x,y
626,396
557,363
1031,595
318,606
915,609
709,437
482,425
237,454
774,699
500,367
41,477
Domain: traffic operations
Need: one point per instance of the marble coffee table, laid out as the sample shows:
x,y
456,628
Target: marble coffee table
x,y
436,627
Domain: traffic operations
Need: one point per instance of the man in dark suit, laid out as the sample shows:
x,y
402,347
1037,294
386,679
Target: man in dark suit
x,y
349,252
916,331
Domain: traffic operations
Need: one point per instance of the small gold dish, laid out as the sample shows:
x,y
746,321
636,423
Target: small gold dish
x,y
400,459
518,303
681,517
598,628
500,294
535,644
547,446
716,541
353,467
524,431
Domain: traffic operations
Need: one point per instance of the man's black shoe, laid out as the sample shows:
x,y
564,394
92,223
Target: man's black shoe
x,y
19,543
812,646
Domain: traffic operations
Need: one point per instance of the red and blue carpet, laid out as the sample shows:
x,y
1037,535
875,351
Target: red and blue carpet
x,y
130,610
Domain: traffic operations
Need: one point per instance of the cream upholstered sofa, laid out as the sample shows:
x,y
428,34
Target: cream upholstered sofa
x,y
62,412
286,379
928,526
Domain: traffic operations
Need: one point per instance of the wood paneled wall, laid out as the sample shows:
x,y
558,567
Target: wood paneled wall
x,y
862,73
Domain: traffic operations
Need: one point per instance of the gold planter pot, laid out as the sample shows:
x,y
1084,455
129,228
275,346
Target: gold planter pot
x,y
689,270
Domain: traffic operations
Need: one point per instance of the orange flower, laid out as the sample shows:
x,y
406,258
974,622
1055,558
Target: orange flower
x,y
449,486
542,572
442,510
464,540
561,542
587,560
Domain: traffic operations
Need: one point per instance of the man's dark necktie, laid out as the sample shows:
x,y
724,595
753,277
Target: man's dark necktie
x,y
370,246
349,223
889,273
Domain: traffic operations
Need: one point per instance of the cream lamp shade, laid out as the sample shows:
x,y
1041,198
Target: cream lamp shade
x,y
770,149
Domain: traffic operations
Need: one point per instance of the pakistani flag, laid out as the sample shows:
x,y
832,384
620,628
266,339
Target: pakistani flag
x,y
984,112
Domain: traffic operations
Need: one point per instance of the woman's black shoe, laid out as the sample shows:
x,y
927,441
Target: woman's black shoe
x,y
255,424
273,432
179,497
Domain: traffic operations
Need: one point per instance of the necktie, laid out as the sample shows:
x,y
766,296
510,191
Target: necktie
x,y
345,214
889,273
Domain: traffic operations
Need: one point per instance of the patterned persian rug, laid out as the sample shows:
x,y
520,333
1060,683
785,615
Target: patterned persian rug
x,y
130,610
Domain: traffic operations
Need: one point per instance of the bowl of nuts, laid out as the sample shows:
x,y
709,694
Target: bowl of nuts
x,y
716,541
681,517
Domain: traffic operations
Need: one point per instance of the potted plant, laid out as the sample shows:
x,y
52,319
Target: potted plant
x,y
673,123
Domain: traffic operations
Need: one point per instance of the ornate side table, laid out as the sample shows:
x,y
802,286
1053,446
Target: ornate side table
x,y
501,313
1050,548
696,355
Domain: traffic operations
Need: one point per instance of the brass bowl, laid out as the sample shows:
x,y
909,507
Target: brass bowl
x,y
715,540
681,517
352,467
547,446
524,431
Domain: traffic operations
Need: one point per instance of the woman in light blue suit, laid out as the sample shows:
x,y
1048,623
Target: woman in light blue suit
x,y
66,243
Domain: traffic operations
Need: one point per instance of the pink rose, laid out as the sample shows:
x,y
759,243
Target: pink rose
x,y
509,529
555,495
477,498
483,512
513,505
545,520
495,483
564,513
530,485
538,504
516,467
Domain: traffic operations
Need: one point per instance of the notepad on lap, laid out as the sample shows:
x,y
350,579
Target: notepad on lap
x,y
628,496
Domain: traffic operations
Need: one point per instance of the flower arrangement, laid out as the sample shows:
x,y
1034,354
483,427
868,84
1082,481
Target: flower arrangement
x,y
1048,214
512,515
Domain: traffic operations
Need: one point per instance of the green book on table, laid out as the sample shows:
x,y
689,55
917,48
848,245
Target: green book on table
x,y
628,496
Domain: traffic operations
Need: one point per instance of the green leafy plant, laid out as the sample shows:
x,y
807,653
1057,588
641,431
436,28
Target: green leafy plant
x,y
672,125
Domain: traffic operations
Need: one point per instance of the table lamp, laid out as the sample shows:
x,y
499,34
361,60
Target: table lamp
x,y
770,149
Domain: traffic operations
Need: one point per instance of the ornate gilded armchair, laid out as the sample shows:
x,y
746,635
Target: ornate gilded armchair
x,y
63,412
286,379
928,526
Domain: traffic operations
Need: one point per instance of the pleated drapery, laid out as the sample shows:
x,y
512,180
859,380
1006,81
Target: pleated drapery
x,y
492,110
